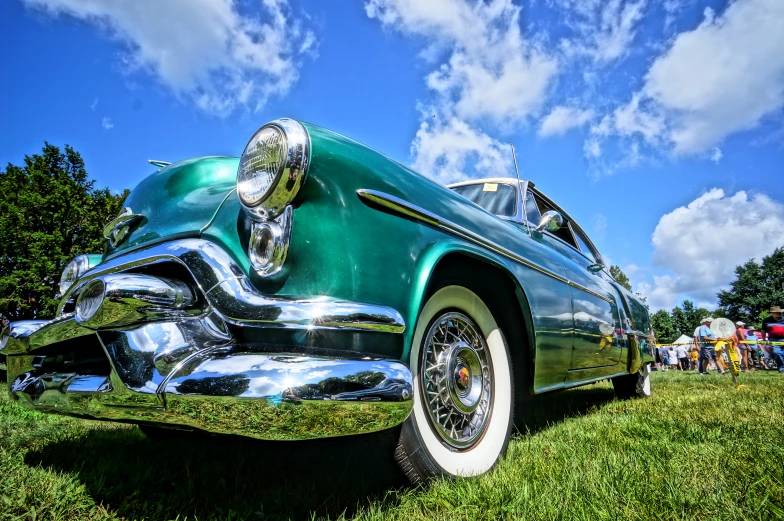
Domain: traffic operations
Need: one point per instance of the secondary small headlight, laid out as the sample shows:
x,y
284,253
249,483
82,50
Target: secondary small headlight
x,y
73,271
272,168
269,244
90,300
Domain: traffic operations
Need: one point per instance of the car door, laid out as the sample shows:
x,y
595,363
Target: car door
x,y
598,337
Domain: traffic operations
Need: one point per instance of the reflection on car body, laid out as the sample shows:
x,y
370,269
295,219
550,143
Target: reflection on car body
x,y
315,288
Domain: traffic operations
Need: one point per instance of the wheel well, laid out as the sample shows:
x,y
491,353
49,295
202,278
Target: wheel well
x,y
501,293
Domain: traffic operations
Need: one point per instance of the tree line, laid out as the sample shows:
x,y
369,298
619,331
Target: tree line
x,y
756,288
50,212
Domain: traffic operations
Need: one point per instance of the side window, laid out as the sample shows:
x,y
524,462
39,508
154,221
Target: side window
x,y
531,211
583,242
564,232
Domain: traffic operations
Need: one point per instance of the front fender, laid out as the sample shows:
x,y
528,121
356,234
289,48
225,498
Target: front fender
x,y
427,264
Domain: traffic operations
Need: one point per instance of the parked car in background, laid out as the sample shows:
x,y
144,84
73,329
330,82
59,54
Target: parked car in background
x,y
315,288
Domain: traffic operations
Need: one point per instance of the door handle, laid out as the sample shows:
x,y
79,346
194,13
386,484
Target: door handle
x,y
595,268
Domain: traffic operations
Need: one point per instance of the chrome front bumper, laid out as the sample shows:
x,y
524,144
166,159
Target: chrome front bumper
x,y
213,368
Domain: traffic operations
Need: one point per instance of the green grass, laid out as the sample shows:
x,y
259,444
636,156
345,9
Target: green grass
x,y
699,449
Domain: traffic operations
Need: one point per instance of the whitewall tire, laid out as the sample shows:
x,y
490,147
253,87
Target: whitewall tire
x,y
463,394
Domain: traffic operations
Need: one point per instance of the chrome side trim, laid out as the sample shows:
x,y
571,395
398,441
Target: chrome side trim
x,y
590,292
406,209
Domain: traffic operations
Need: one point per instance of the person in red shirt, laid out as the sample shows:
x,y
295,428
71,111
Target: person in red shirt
x,y
773,327
773,331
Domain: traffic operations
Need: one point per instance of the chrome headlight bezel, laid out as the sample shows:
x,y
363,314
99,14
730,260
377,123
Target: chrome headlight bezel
x,y
289,175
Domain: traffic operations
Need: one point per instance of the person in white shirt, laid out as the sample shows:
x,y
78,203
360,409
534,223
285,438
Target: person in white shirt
x,y
673,359
683,357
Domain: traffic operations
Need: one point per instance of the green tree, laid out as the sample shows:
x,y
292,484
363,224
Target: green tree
x,y
686,317
620,277
757,287
664,327
681,322
49,213
692,316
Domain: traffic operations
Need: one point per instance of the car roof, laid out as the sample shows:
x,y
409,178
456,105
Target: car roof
x,y
499,180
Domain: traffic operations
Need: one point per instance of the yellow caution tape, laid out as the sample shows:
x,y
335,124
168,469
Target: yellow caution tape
x,y
750,342
734,362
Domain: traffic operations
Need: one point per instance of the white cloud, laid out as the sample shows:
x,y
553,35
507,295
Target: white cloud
x,y
604,29
492,71
592,148
700,244
631,269
723,77
94,104
562,118
716,155
453,151
599,224
204,50
488,74
106,123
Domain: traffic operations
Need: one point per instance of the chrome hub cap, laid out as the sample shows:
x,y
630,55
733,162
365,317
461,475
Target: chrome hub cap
x,y
456,379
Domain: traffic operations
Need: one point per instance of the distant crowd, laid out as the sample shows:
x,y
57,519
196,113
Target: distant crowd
x,y
754,349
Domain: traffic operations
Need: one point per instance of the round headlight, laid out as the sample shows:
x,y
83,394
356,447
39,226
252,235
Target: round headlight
x,y
272,168
260,165
73,271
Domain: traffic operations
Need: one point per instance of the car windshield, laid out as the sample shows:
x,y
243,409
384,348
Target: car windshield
x,y
496,198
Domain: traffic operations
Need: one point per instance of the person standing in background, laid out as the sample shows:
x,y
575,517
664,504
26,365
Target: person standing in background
x,y
743,349
707,351
694,351
683,357
673,359
769,332
664,355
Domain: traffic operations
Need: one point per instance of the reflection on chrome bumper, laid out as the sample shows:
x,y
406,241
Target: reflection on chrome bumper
x,y
224,389
213,361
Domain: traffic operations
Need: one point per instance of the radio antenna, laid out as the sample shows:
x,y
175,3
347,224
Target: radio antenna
x,y
514,157
520,187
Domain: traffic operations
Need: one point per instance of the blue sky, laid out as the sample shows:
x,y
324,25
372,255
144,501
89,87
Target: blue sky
x,y
657,125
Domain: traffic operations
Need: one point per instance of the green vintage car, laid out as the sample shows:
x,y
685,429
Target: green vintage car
x,y
315,288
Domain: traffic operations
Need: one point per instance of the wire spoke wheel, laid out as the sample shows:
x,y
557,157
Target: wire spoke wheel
x,y
456,380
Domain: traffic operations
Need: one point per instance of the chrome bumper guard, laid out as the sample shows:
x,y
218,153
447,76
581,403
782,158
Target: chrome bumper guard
x,y
159,362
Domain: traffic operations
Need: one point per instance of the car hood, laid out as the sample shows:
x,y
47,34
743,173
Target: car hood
x,y
178,200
